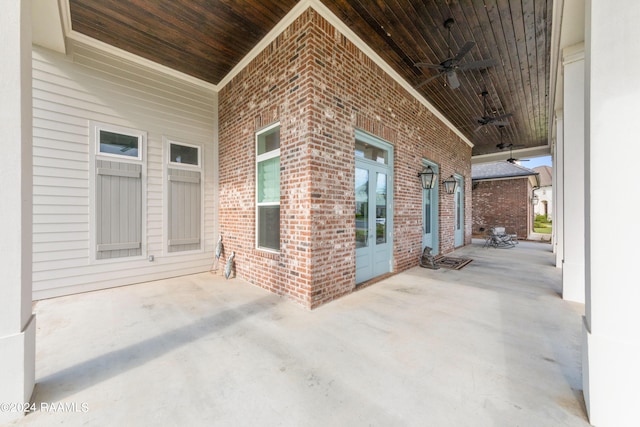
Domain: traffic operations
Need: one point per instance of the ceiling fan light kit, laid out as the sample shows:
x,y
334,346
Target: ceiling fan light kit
x,y
486,119
451,65
501,145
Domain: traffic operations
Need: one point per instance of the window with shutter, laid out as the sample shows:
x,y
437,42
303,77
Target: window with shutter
x,y
184,197
118,192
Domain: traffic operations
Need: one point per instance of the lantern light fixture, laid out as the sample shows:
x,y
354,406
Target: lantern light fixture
x,y
428,177
450,185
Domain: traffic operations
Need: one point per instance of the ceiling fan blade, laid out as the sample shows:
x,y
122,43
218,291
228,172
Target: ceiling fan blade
x,y
424,82
485,63
427,65
452,78
498,123
503,116
463,51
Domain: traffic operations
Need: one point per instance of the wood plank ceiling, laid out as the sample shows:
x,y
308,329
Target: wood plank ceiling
x,y
207,38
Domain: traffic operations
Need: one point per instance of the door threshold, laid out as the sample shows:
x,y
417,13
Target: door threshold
x,y
374,280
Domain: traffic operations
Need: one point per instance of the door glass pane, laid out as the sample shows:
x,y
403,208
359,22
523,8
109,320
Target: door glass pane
x,y
427,211
371,152
381,208
362,208
458,209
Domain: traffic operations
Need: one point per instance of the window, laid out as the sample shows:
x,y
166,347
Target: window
x,y
368,151
184,196
268,188
184,154
118,188
127,144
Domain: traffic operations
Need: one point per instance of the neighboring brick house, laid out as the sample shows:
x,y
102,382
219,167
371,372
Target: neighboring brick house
x,y
502,196
545,192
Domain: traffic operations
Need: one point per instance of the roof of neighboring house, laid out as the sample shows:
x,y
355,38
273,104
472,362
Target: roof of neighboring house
x,y
496,170
545,175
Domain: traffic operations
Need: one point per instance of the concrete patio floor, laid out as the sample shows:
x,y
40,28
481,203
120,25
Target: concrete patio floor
x,y
492,344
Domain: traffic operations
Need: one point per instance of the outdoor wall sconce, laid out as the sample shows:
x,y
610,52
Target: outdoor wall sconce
x,y
428,177
534,200
450,185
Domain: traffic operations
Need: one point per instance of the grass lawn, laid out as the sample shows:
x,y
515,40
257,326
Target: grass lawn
x,y
541,224
543,230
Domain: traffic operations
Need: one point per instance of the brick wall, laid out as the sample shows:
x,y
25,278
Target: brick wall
x,y
321,87
504,203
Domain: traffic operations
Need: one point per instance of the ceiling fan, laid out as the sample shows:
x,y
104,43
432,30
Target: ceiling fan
x,y
512,160
510,146
490,120
449,66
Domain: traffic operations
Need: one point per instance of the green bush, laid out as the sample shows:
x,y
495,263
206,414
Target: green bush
x,y
542,218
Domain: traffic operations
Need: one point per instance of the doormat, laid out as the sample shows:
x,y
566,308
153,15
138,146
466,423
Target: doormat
x,y
452,263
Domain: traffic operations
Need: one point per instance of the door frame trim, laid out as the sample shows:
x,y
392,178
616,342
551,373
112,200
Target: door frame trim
x,y
435,222
385,145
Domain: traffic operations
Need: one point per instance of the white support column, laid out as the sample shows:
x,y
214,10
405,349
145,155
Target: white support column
x,y
17,323
611,352
573,167
558,190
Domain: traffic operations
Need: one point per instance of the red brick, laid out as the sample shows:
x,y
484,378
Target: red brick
x,y
321,87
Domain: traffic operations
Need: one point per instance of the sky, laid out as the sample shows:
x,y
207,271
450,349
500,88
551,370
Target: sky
x,y
534,162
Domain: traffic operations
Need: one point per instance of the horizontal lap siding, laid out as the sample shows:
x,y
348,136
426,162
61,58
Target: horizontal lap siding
x,y
87,85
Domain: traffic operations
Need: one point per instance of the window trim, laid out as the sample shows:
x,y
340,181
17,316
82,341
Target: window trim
x,y
95,154
261,158
140,135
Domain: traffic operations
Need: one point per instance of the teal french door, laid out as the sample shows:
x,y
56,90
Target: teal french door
x,y
458,235
430,215
373,210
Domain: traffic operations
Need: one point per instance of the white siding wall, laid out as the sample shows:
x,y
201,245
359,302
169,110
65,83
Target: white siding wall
x,y
87,85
